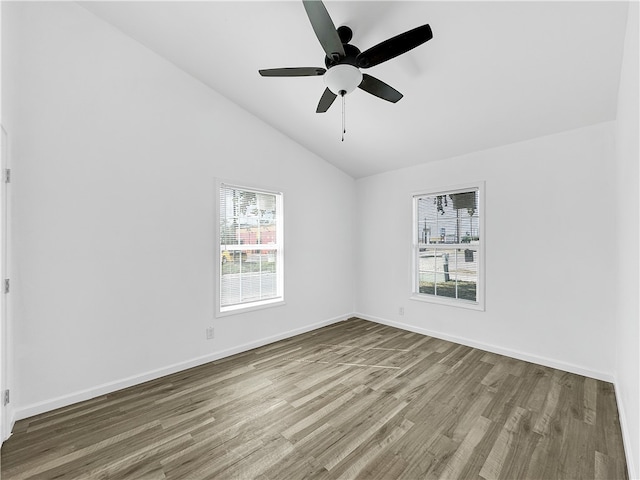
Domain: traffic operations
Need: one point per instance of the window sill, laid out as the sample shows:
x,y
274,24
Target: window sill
x,y
448,301
250,307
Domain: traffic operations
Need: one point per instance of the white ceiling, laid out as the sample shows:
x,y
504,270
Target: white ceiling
x,y
493,74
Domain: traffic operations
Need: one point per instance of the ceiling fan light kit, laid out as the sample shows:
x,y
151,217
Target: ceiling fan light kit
x,y
343,78
344,60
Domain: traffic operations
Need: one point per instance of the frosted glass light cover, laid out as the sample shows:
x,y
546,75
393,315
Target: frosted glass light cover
x,y
342,77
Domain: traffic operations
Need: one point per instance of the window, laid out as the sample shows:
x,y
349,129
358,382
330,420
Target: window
x,y
250,257
447,247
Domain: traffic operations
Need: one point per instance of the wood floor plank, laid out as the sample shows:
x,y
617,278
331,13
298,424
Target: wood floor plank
x,y
351,400
511,452
351,441
366,452
590,397
463,453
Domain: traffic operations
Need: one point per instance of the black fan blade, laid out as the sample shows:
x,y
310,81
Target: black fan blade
x,y
292,72
325,101
378,88
324,28
394,46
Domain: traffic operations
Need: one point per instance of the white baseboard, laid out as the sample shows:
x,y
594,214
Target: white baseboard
x,y
527,357
93,392
10,422
633,474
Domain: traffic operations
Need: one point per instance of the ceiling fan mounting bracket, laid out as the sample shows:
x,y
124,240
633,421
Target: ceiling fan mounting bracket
x,y
345,33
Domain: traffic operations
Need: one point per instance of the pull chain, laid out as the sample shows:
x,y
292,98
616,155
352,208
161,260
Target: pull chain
x,y
344,128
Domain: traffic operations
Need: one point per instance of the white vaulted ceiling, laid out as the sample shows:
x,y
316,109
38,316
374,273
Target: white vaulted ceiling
x,y
493,74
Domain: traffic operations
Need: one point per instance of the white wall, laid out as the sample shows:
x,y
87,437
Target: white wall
x,y
3,331
627,341
550,264
116,151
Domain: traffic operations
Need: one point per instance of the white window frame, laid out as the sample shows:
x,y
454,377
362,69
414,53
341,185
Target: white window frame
x,y
479,304
222,311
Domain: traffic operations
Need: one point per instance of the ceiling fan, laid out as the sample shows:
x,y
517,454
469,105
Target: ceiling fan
x,y
344,61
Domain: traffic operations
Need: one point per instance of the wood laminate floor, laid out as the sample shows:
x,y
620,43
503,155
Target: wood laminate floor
x,y
352,400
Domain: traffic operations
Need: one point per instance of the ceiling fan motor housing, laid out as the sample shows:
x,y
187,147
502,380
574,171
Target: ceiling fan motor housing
x,y
350,55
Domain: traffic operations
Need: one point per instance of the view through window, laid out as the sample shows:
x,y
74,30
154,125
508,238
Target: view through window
x,y
250,247
447,246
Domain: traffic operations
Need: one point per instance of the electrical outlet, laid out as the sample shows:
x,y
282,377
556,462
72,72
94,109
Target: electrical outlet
x,y
209,333
401,310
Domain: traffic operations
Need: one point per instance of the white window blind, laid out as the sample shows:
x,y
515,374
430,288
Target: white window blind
x,y
250,267
448,246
